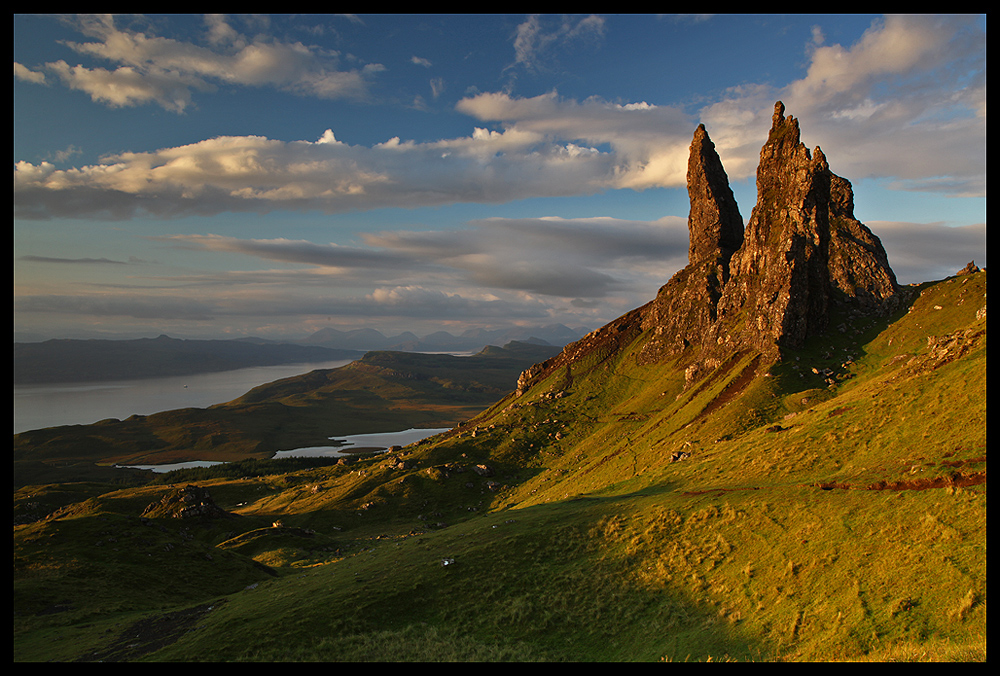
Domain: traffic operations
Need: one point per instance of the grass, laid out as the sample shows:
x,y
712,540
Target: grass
x,y
808,522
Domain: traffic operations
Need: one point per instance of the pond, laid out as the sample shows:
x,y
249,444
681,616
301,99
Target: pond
x,y
348,445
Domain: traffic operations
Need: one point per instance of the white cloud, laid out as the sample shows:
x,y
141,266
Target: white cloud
x,y
437,86
26,74
539,36
164,71
906,103
249,173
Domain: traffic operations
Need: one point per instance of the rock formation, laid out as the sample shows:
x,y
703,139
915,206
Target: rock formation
x,y
685,308
803,250
715,226
764,289
184,503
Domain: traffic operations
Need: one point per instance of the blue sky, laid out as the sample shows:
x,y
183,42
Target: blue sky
x,y
228,176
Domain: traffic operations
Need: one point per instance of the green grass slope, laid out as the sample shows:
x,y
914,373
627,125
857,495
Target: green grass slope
x,y
831,507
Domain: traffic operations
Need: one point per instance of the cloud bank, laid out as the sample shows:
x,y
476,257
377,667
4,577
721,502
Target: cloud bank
x,y
906,103
495,271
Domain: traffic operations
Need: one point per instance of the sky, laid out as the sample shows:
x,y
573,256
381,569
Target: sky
x,y
273,175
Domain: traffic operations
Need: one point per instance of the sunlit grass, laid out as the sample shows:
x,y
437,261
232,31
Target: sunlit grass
x,y
793,526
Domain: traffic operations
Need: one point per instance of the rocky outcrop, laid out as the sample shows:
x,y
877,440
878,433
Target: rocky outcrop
x,y
715,226
970,269
685,308
186,502
803,251
763,289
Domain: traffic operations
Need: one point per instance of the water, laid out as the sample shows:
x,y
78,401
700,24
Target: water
x,y
38,406
159,469
353,442
350,445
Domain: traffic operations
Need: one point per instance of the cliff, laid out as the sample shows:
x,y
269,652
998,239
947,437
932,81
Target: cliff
x,y
763,289
803,251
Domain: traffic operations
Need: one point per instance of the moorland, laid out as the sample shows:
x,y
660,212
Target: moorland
x,y
782,457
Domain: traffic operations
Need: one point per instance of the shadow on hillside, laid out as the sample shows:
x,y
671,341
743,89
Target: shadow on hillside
x,y
586,566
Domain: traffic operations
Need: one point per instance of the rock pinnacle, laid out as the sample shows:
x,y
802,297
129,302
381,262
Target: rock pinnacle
x,y
685,308
715,226
803,250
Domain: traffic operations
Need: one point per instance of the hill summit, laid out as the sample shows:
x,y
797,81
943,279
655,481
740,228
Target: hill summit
x,y
764,288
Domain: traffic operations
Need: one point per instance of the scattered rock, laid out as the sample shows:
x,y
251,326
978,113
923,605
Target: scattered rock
x,y
184,503
969,269
483,470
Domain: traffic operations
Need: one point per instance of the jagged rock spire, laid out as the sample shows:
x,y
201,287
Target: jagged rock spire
x,y
684,308
763,289
714,222
803,250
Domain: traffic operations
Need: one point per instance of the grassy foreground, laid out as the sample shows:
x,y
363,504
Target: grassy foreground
x,y
832,507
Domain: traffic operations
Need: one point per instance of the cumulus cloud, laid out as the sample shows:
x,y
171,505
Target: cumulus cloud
x,y
548,152
164,71
905,103
22,72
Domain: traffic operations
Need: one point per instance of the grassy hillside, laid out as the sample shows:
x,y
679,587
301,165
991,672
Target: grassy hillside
x,y
831,507
382,392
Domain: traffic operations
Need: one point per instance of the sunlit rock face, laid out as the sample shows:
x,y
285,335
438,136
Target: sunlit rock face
x,y
759,289
685,308
803,250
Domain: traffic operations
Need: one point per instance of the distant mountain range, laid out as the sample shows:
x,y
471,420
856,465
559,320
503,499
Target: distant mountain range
x,y
60,361
72,360
442,341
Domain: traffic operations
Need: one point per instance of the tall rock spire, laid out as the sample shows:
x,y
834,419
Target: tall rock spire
x,y
685,307
760,290
803,250
714,222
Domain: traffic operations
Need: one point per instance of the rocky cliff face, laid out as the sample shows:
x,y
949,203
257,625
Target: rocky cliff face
x,y
763,289
686,307
803,250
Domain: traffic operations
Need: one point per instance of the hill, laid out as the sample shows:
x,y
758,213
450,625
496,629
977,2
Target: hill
x,y
381,392
64,361
782,457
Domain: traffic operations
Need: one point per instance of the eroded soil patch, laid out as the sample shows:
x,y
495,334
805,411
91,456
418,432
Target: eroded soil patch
x,y
956,479
151,634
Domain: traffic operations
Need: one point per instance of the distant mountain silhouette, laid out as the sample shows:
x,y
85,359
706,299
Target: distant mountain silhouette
x,y
442,341
59,361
